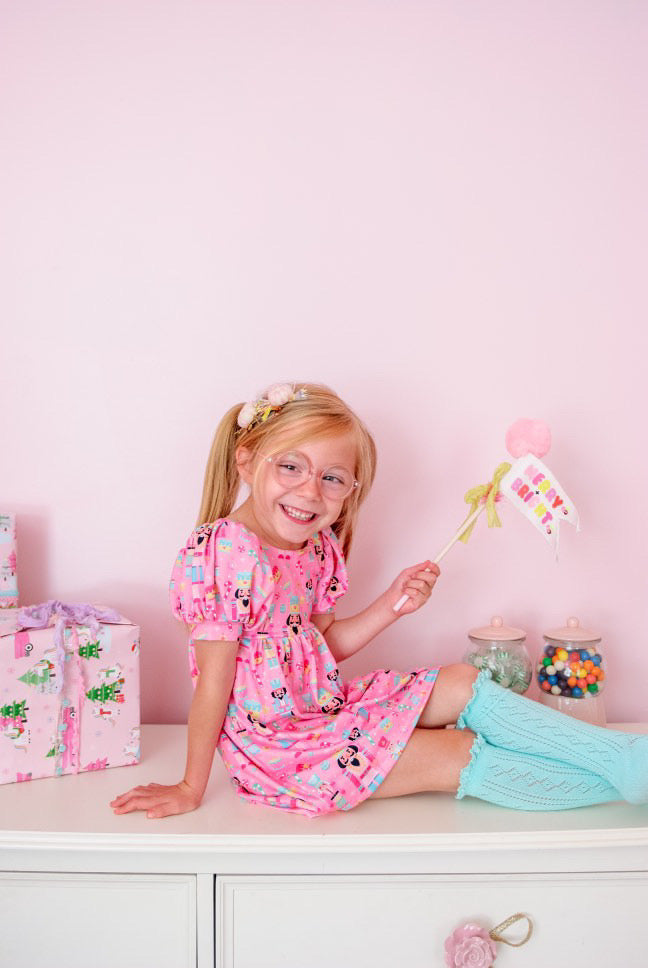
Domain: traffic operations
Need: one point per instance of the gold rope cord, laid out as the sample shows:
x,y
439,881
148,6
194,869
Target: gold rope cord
x,y
496,932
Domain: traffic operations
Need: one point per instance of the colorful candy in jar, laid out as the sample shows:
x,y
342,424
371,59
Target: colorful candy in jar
x,y
500,649
571,665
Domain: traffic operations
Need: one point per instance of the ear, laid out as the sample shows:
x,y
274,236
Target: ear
x,y
244,464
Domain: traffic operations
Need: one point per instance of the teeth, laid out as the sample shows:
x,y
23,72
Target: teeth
x,y
294,513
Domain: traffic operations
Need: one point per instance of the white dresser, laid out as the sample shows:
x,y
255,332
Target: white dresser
x,y
237,886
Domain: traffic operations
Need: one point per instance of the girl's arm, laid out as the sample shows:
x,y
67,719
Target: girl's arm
x,y
347,636
217,664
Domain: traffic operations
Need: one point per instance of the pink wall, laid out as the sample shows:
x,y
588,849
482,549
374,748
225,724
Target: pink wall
x,y
437,208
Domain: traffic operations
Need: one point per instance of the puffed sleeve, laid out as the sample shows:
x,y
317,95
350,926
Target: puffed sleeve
x,y
332,582
221,584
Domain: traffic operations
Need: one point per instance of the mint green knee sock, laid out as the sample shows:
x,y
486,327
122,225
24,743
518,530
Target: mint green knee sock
x,y
512,722
512,779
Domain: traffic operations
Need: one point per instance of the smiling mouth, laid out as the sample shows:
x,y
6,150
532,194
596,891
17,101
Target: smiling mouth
x,y
296,515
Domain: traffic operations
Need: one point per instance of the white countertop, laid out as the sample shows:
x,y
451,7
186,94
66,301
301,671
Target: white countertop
x,y
55,822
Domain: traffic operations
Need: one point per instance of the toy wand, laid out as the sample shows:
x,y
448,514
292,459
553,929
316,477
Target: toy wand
x,y
528,484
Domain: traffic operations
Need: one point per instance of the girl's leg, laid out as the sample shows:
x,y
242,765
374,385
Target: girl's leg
x,y
432,760
452,690
513,779
451,760
512,722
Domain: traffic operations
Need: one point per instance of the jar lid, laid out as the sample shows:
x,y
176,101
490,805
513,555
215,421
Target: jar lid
x,y
498,631
572,632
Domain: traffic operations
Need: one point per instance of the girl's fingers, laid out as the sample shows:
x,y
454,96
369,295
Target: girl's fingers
x,y
138,799
418,582
421,583
123,797
426,570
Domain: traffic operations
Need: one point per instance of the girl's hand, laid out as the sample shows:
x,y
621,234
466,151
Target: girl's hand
x,y
158,800
417,583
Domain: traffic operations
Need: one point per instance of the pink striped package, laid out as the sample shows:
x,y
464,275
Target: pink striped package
x,y
69,691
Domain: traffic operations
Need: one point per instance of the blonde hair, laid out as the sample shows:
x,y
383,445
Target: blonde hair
x,y
320,413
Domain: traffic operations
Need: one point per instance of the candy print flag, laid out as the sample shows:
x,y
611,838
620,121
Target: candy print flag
x,y
534,490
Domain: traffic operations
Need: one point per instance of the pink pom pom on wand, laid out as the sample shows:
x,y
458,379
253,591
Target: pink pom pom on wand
x,y
528,437
528,484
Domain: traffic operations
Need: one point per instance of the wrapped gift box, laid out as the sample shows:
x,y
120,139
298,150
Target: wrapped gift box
x,y
69,691
8,575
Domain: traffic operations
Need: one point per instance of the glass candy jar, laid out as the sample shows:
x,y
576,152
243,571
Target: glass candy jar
x,y
501,650
571,674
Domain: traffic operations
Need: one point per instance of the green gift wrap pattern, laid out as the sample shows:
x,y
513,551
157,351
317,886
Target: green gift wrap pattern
x,y
68,711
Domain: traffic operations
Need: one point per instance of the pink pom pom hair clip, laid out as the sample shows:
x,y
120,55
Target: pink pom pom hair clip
x,y
530,486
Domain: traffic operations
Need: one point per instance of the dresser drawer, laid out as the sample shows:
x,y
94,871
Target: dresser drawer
x,y
103,921
596,920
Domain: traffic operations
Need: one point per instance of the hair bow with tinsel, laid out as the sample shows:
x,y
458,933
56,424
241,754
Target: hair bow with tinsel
x,y
276,396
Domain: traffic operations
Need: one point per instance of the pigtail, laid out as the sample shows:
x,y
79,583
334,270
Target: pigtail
x,y
221,485
344,526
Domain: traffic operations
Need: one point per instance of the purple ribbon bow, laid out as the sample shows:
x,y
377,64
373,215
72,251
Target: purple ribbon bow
x,y
40,616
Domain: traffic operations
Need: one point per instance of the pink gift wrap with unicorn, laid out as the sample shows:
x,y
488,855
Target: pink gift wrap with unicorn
x,y
69,691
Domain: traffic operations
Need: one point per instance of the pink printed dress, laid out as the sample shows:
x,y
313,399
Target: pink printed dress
x,y
295,735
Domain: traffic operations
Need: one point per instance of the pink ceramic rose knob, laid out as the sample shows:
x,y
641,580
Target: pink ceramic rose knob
x,y
470,947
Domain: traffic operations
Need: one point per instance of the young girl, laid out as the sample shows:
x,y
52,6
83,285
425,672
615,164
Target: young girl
x,y
258,586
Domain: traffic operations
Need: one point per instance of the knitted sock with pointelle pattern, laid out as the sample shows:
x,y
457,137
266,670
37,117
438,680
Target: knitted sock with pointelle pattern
x,y
525,782
512,722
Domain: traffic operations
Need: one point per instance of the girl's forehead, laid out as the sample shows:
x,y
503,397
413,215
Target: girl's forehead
x,y
329,450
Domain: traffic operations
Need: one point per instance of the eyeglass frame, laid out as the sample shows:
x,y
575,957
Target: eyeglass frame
x,y
275,457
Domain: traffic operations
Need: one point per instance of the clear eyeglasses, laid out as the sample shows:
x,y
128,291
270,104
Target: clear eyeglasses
x,y
294,469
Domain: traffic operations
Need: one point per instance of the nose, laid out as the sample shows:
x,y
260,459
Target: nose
x,y
310,487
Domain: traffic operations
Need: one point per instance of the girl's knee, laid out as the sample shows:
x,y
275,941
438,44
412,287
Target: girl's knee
x,y
460,677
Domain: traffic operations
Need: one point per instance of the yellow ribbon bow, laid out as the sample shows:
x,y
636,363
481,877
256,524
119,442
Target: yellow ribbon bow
x,y
485,493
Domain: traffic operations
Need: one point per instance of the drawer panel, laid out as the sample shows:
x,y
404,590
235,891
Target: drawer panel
x,y
596,920
77,920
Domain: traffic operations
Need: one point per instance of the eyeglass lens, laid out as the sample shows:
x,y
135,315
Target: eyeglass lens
x,y
294,469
